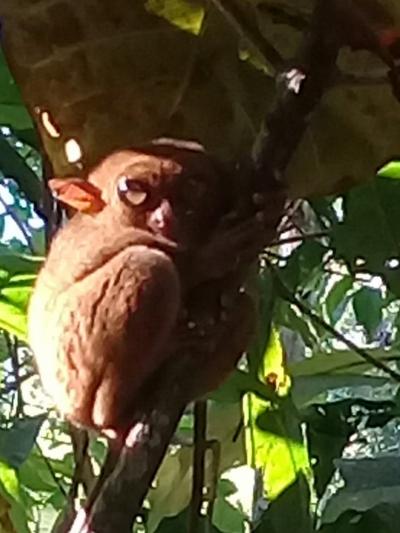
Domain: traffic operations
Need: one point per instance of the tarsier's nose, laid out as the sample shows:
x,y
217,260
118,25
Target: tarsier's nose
x,y
162,219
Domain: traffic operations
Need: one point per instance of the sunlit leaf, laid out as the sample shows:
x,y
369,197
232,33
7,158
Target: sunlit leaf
x,y
14,298
10,492
391,170
236,499
274,440
185,14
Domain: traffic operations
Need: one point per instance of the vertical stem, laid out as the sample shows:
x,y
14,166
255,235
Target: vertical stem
x,y
200,444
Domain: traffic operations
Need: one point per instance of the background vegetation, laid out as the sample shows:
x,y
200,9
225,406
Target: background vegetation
x,y
325,453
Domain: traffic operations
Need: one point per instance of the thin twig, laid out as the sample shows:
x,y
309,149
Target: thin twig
x,y
12,385
21,225
214,446
51,471
12,348
297,238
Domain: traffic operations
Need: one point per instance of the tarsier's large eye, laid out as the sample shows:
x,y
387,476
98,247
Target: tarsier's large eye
x,y
132,191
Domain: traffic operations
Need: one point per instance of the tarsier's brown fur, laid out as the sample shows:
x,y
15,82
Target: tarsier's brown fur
x,y
112,300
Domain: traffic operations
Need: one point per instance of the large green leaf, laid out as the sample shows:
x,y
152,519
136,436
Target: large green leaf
x,y
340,361
12,111
17,442
367,483
274,441
191,83
369,236
311,389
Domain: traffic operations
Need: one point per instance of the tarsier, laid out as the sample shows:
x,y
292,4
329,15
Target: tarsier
x,y
110,300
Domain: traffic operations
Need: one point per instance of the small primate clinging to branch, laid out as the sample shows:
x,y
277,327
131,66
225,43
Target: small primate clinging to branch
x,y
109,304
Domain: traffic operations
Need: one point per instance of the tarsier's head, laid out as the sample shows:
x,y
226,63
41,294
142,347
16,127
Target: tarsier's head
x,y
169,188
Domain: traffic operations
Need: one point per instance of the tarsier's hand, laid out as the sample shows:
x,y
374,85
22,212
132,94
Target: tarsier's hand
x,y
236,243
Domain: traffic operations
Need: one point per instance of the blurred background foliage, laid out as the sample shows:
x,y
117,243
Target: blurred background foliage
x,y
305,434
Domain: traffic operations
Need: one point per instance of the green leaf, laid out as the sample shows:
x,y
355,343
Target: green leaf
x,y
17,442
367,483
10,491
14,166
17,263
391,170
335,302
35,475
311,389
14,298
274,441
12,111
276,446
340,361
368,304
369,235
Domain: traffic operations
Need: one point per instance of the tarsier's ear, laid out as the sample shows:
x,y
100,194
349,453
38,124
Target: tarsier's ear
x,y
77,193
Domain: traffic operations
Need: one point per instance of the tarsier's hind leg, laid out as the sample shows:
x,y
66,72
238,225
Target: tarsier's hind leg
x,y
119,318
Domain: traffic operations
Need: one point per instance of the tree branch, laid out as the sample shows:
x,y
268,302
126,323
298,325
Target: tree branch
x,y
299,91
121,496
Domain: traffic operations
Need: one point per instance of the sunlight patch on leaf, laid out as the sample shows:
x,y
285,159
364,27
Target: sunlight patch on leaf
x,y
11,502
274,440
391,170
14,300
187,16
